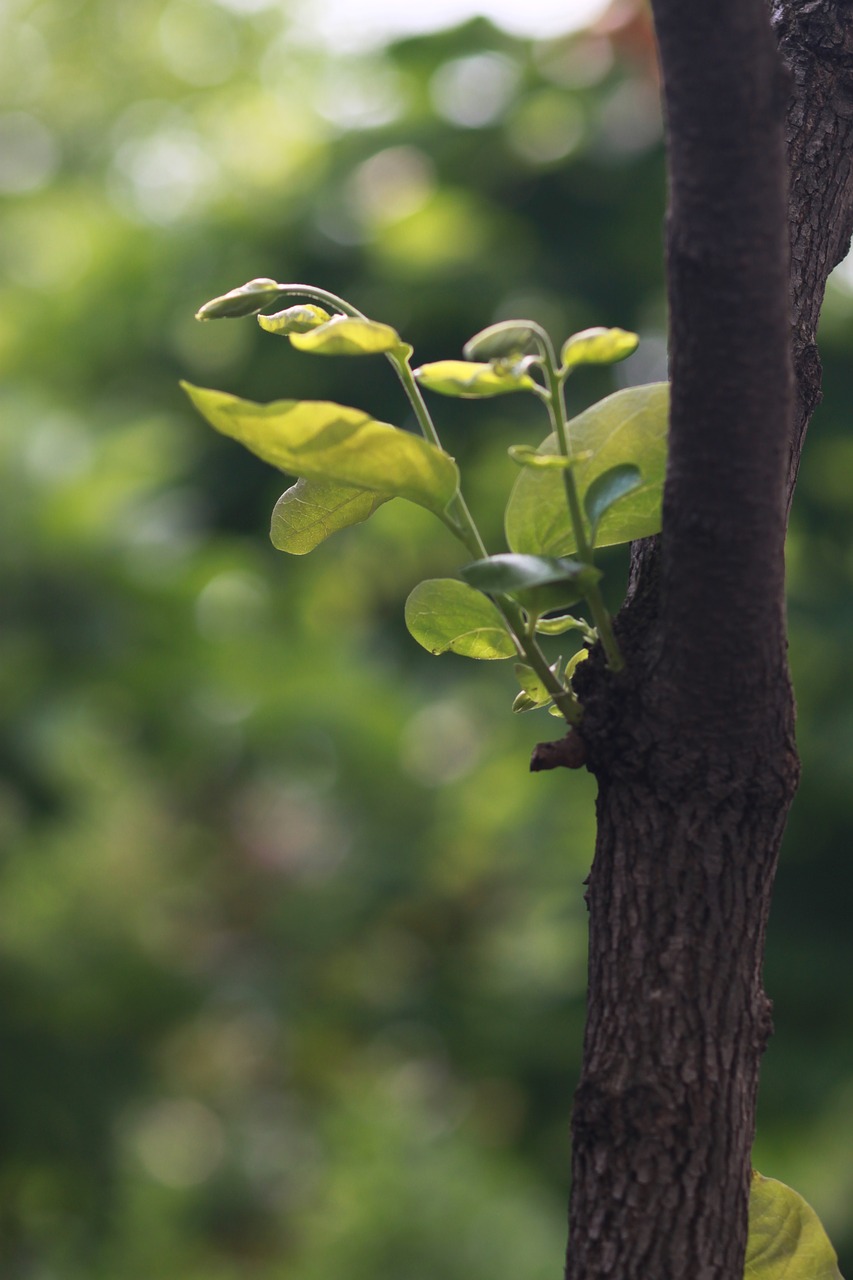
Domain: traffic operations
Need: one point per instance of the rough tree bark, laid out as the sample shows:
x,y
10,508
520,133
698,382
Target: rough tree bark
x,y
693,746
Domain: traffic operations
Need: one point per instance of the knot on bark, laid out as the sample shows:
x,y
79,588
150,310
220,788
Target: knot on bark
x,y
563,753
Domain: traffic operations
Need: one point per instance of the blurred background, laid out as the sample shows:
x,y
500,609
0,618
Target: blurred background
x,y
292,944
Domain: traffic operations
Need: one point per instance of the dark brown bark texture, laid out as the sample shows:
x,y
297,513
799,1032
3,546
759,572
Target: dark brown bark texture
x,y
693,745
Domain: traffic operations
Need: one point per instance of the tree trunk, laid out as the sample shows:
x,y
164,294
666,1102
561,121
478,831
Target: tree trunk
x,y
693,745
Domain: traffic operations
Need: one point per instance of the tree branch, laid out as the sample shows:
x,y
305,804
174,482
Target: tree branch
x,y
722,571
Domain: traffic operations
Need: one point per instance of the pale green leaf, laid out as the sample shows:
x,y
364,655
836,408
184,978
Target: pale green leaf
x,y
629,427
521,702
302,318
786,1239
532,687
247,300
323,441
445,615
606,489
349,336
312,510
473,381
559,626
574,662
598,346
525,455
507,338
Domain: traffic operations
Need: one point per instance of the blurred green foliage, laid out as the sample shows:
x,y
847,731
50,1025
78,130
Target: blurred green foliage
x,y
292,945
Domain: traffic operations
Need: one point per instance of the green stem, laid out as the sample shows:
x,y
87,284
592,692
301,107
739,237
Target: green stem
x,y
559,418
461,522
535,658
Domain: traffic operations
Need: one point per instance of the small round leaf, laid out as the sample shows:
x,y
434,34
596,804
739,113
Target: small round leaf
x,y
444,615
247,300
349,336
598,346
299,319
508,338
474,381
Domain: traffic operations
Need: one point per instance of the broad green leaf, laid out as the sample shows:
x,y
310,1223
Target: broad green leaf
x,y
445,615
312,510
506,338
628,427
323,441
608,488
598,346
472,381
349,336
786,1238
247,300
299,319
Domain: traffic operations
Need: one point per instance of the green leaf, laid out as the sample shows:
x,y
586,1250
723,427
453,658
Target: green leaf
x,y
349,336
597,346
628,427
559,626
607,488
574,662
473,381
786,1239
533,690
540,584
312,510
248,300
323,441
299,319
446,615
508,574
524,455
498,341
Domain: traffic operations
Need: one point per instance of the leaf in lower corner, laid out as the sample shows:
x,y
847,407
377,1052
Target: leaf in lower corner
x,y
320,440
786,1238
445,615
312,510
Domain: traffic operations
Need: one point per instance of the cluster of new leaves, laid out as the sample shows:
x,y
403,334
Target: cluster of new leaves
x,y
594,481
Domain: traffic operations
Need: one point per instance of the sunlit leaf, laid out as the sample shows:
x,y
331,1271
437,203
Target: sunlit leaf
x,y
323,441
302,318
559,626
247,300
311,510
606,489
786,1238
506,338
628,427
472,381
533,690
574,662
349,336
598,346
525,455
445,615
